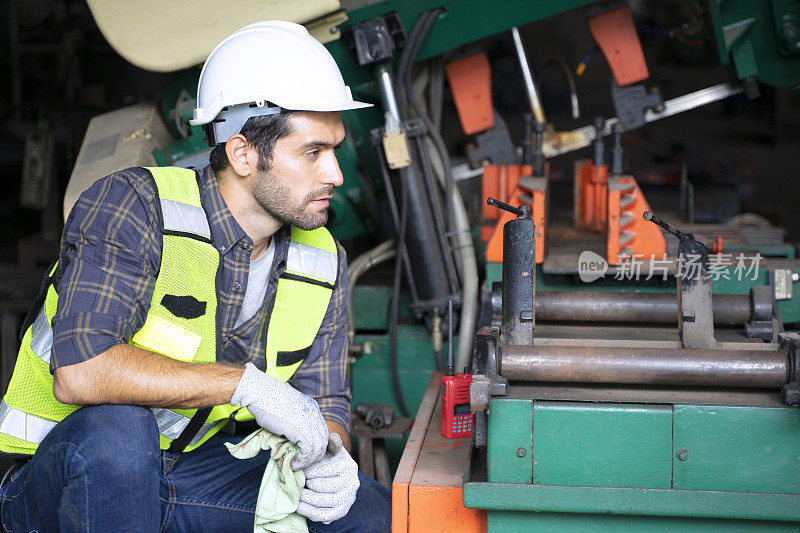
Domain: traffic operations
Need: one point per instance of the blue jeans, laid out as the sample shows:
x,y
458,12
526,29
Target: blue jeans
x,y
101,470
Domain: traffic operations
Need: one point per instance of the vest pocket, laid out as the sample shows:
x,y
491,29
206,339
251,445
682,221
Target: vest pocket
x,y
290,358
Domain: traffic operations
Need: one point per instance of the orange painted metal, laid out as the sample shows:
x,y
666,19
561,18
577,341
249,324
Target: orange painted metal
x,y
502,183
629,235
590,199
498,182
441,509
432,481
405,470
615,33
470,82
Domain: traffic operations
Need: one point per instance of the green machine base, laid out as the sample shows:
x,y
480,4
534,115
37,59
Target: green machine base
x,y
562,459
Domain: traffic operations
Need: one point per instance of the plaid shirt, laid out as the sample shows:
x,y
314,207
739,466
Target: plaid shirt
x,y
109,259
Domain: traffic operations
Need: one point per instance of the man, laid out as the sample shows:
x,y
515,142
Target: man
x,y
167,284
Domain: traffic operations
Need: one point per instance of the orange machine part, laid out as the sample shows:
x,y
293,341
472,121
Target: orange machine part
x,y
441,509
615,33
494,247
471,84
629,235
591,190
434,502
501,182
498,182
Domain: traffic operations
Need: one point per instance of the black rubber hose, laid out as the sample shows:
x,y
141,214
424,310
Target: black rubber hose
x,y
401,400
415,40
418,34
441,148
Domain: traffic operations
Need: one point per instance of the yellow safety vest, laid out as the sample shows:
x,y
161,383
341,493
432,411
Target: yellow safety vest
x,y
182,320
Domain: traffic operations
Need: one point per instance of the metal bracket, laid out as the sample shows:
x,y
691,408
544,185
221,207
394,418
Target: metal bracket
x,y
493,145
632,103
376,40
760,324
790,393
486,380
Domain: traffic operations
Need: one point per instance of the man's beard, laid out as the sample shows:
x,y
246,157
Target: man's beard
x,y
274,198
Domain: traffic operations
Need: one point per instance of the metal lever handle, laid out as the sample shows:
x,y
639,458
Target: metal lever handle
x,y
522,211
648,215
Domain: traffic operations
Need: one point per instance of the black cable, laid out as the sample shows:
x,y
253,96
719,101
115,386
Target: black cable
x,y
396,218
401,401
427,23
417,36
415,40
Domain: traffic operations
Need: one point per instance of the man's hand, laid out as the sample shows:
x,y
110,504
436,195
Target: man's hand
x,y
331,485
283,410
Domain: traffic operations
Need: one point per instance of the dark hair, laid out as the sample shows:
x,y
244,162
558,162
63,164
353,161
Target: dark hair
x,y
262,133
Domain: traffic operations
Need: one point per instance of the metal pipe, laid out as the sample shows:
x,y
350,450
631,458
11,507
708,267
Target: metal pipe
x,y
653,307
530,86
388,97
645,366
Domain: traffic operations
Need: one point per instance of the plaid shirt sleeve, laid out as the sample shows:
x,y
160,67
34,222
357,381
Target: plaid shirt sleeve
x,y
110,254
323,375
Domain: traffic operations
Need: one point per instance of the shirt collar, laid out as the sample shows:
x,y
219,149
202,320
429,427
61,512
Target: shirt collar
x,y
225,231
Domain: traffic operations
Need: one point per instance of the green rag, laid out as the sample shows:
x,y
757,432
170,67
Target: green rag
x,y
280,489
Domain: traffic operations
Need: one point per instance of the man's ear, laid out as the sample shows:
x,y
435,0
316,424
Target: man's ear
x,y
242,157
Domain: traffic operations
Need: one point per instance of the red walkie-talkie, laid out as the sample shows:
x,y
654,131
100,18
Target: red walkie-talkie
x,y
457,419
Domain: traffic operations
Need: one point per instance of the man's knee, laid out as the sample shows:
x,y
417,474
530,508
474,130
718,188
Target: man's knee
x,y
121,439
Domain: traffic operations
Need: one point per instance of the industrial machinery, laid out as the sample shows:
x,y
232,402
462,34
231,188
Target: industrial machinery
x,y
627,373
646,428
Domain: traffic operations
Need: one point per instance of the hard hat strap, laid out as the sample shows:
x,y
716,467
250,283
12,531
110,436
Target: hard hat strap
x,y
231,120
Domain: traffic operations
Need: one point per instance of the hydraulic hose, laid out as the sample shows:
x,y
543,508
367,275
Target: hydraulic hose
x,y
401,400
469,265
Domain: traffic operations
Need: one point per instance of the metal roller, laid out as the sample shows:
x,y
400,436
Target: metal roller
x,y
645,366
654,308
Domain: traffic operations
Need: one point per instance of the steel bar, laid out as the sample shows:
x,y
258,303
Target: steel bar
x,y
568,141
653,307
645,366
387,95
527,75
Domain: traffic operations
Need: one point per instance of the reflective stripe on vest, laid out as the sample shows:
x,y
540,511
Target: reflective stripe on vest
x,y
184,218
171,425
42,336
312,262
33,429
22,425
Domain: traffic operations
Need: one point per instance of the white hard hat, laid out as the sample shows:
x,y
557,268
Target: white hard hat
x,y
263,68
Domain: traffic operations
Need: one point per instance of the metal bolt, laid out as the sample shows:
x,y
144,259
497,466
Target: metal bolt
x,y
795,276
682,455
334,30
521,452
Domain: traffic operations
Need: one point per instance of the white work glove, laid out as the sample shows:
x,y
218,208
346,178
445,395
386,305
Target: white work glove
x,y
283,410
331,485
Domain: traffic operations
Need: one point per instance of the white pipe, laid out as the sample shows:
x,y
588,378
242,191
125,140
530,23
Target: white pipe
x,y
469,296
530,85
359,265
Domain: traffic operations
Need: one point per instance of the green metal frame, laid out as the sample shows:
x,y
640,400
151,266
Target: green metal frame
x,y
588,466
632,501
750,39
569,465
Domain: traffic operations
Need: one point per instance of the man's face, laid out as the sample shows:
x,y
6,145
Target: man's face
x,y
303,171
